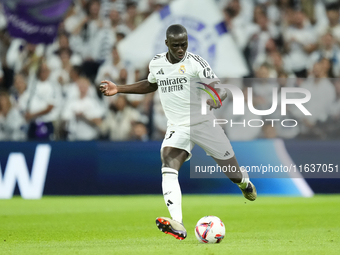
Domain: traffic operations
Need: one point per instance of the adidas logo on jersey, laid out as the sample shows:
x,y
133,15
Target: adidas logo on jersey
x,y
160,71
226,153
157,56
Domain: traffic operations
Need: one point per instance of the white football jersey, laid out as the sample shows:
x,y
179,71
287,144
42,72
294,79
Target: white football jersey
x,y
178,87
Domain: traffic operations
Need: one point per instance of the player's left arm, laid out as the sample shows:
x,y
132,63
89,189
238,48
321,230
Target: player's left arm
x,y
222,94
208,77
217,104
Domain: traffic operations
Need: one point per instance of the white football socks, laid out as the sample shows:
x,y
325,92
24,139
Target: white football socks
x,y
172,193
245,179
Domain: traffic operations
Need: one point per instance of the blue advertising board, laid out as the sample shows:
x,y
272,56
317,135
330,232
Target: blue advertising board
x,y
34,169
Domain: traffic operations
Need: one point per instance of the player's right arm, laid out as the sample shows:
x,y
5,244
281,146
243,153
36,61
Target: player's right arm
x,y
108,88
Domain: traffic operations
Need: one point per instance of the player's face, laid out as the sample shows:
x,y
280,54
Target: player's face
x,y
177,46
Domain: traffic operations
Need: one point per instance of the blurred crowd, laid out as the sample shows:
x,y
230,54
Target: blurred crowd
x,y
50,92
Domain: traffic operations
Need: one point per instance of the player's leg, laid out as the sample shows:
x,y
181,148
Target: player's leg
x,y
234,173
175,151
172,160
237,176
217,145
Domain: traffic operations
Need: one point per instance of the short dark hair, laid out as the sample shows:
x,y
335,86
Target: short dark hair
x,y
332,6
78,70
175,30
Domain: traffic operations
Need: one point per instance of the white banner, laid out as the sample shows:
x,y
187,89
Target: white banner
x,y
208,37
17,172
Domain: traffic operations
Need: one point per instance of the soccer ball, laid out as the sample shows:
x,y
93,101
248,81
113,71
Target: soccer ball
x,y
210,229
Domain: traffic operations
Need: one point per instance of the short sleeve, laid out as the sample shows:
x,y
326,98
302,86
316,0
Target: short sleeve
x,y
151,77
204,71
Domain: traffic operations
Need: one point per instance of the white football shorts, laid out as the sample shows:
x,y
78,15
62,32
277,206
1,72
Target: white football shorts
x,y
211,139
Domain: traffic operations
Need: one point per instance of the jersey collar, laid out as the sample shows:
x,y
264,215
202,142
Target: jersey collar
x,y
185,56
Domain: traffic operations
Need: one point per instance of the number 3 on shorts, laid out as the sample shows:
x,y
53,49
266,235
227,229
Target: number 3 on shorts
x,y
171,132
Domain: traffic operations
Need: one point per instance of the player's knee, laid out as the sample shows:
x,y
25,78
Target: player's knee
x,y
173,157
171,165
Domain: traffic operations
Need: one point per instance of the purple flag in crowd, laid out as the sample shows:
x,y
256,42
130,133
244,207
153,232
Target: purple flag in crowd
x,y
36,21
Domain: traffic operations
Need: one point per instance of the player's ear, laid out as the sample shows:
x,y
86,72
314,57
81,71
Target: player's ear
x,y
166,43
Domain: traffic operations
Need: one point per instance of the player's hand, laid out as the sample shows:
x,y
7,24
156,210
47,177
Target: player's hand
x,y
108,88
212,104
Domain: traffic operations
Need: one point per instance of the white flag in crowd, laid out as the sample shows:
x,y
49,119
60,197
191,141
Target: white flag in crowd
x,y
208,37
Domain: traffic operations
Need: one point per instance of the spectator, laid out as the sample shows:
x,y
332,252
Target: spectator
x,y
89,36
40,105
328,49
70,91
24,57
263,23
285,8
333,21
279,63
62,75
117,29
316,12
263,88
119,119
18,88
235,22
273,12
139,132
117,71
61,42
322,98
132,19
12,123
300,40
76,17
115,19
328,66
280,38
53,55
111,69
83,116
260,43
271,56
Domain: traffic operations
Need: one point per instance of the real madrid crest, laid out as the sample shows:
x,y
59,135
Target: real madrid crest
x,y
182,69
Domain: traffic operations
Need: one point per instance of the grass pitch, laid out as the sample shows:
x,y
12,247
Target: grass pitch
x,y
126,225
